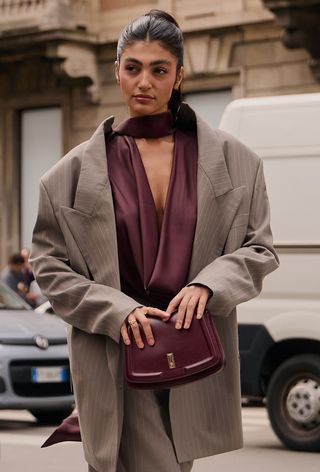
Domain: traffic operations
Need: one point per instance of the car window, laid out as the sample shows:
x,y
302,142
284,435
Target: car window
x,y
10,301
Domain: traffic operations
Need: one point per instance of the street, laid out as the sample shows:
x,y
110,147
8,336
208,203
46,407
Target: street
x,y
21,437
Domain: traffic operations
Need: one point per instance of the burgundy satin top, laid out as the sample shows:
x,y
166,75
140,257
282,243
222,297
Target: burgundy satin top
x,y
153,263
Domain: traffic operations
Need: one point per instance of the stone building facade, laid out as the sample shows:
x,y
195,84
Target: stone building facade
x,y
60,54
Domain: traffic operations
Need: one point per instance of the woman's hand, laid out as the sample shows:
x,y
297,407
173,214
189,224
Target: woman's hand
x,y
189,299
136,319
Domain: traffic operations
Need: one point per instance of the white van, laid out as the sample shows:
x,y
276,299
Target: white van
x,y
279,332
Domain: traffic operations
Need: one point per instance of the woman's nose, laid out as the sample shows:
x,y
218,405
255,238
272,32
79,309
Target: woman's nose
x,y
144,82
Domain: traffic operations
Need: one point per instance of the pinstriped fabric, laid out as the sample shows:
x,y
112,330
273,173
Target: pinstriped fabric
x,y
74,257
101,438
145,445
213,403
71,293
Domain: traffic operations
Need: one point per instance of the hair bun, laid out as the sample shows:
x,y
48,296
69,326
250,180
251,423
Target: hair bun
x,y
162,15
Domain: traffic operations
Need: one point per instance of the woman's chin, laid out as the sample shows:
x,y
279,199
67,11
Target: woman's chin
x,y
146,109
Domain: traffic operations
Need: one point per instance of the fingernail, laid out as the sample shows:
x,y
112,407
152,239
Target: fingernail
x,y
186,326
127,342
151,342
199,316
178,325
141,345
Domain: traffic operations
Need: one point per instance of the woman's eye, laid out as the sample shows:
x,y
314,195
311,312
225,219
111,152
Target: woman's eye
x,y
160,71
131,68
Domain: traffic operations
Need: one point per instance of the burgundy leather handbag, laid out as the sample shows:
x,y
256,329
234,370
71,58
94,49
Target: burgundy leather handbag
x,y
178,356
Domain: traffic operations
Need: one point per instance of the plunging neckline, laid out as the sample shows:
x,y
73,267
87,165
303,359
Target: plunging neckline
x,y
153,259
157,233
169,187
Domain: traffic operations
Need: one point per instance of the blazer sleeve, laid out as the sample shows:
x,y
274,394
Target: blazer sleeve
x,y
81,302
237,276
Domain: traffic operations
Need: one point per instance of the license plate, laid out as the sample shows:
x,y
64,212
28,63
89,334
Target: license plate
x,y
49,374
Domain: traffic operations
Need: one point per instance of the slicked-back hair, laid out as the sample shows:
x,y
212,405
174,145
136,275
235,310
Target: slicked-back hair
x,y
156,25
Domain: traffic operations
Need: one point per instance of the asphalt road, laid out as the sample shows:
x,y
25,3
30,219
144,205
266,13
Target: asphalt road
x,y
21,437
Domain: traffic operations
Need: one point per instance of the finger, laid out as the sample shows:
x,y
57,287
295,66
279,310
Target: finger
x,y
201,306
145,324
182,311
175,302
147,331
132,316
159,313
190,312
125,335
136,334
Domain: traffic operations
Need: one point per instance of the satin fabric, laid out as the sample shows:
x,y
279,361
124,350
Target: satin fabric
x,y
149,126
153,262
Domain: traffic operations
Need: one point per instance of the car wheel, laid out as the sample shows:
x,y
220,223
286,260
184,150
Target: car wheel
x,y
293,402
52,416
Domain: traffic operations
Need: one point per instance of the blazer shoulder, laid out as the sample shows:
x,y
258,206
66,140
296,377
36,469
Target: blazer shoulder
x,y
61,180
233,148
241,162
70,162
238,158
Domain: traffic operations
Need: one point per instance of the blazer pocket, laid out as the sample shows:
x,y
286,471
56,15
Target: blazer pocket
x,y
240,220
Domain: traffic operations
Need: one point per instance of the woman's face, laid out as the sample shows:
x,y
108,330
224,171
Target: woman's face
x,y
147,74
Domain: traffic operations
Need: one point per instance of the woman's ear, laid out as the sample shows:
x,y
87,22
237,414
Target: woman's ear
x,y
179,78
116,71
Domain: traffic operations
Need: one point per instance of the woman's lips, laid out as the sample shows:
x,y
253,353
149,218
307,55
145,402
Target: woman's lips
x,y
143,98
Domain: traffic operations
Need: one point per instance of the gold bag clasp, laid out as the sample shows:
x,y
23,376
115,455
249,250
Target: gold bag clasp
x,y
171,361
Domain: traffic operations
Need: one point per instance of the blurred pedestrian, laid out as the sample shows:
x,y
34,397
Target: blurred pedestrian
x,y
175,218
12,274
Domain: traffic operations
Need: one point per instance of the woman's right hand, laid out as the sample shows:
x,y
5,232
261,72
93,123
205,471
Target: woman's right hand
x,y
138,318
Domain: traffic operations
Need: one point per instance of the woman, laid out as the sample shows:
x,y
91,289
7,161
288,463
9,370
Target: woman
x,y
160,214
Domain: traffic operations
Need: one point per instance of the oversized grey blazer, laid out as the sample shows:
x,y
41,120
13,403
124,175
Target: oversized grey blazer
x,y
74,257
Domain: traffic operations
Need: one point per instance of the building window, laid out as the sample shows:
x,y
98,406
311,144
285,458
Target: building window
x,y
209,105
41,147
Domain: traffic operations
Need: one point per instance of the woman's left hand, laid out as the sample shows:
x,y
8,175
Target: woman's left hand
x,y
187,301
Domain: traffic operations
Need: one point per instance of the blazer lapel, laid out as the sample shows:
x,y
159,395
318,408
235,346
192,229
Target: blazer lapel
x,y
217,201
91,220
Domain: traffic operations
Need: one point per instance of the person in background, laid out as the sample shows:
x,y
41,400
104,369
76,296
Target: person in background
x,y
12,275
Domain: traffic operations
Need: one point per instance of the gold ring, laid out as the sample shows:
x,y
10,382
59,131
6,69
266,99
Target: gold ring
x,y
132,322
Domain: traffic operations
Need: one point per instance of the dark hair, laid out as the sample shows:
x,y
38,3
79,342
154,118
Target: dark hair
x,y
16,259
156,25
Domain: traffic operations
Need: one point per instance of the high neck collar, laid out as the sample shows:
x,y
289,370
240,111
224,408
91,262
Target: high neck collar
x,y
149,126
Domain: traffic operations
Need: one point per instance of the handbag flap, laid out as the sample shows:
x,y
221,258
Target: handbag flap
x,y
176,354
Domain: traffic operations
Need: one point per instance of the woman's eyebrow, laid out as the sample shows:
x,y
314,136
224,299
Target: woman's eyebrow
x,y
153,63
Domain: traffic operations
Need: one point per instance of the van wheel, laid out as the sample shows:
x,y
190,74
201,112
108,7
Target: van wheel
x,y
293,402
52,416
